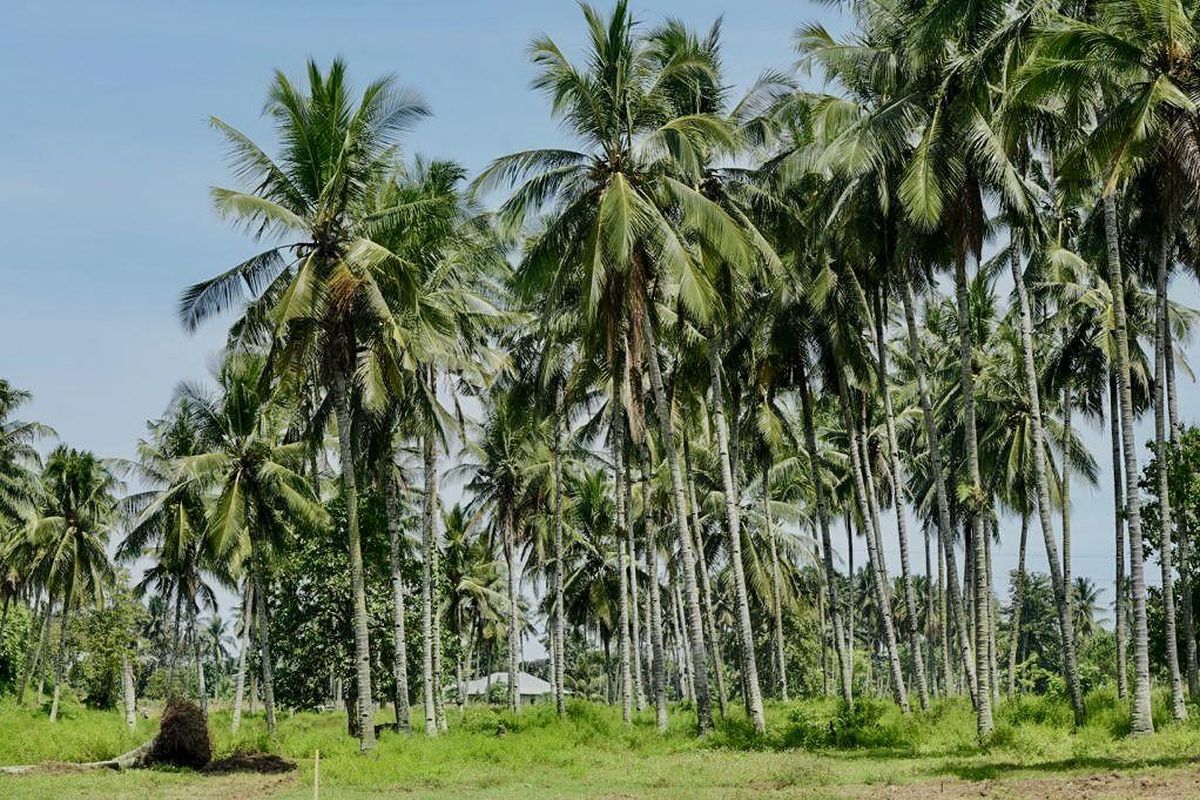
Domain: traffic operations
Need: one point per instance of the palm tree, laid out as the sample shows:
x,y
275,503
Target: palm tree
x,y
1132,61
70,533
497,465
625,211
258,493
317,296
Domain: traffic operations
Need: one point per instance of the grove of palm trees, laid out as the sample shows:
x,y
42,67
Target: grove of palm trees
x,y
690,455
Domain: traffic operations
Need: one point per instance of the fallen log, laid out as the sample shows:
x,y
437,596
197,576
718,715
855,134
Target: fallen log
x,y
126,761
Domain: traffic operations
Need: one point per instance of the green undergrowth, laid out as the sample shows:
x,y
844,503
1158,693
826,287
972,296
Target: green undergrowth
x,y
494,753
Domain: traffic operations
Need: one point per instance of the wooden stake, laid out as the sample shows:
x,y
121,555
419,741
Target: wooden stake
x,y
317,774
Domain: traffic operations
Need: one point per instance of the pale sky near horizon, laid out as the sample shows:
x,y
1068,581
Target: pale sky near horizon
x,y
107,158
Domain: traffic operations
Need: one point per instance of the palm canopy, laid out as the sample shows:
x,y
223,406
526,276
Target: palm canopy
x,y
624,209
70,532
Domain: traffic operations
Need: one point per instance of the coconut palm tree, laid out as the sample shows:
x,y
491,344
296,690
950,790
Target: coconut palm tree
x,y
257,492
70,533
1131,61
625,214
315,294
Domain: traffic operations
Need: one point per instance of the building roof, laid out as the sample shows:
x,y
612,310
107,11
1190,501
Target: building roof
x,y
528,684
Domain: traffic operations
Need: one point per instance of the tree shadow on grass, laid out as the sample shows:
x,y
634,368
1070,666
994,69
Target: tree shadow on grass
x,y
999,769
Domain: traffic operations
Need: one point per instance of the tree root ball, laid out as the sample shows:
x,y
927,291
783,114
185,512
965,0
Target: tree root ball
x,y
183,739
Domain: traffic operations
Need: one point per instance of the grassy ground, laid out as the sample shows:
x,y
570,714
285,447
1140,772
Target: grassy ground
x,y
811,750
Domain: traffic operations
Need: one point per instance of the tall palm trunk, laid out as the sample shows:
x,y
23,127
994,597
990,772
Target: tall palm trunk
x,y
128,690
514,615
263,626
1018,605
1178,708
694,620
776,587
39,648
428,550
745,628
1121,611
899,502
362,640
201,685
840,645
974,503
1143,722
60,666
635,636
439,706
399,640
687,666
1185,572
174,644
239,691
710,622
945,524
559,564
658,663
1066,625
1065,492
617,429
878,574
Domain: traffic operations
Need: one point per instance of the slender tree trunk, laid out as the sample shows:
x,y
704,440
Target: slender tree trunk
x,y
439,707
429,549
899,502
617,423
945,525
60,666
1185,569
658,657
1065,496
745,628
128,696
1143,722
851,599
878,572
993,658
514,615
174,645
201,686
399,640
694,619
1066,624
974,503
39,649
930,669
687,664
1178,707
639,695
1119,603
263,626
776,588
362,641
840,644
1018,606
243,647
559,562
710,623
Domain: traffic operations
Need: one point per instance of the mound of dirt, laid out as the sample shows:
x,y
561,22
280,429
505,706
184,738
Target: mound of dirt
x,y
183,739
260,763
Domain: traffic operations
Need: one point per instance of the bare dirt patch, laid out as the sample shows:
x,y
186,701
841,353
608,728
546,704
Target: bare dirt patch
x,y
1173,785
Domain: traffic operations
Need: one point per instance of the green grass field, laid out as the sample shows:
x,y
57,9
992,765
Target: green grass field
x,y
810,751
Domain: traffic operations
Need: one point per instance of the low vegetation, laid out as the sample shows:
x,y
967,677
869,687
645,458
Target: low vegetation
x,y
811,746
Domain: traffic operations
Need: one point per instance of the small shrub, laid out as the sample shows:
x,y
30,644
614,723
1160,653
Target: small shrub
x,y
183,739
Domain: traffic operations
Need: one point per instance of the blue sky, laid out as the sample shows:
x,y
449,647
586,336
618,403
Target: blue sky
x,y
107,158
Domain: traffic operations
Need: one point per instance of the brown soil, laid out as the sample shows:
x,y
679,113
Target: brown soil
x,y
259,763
1173,785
